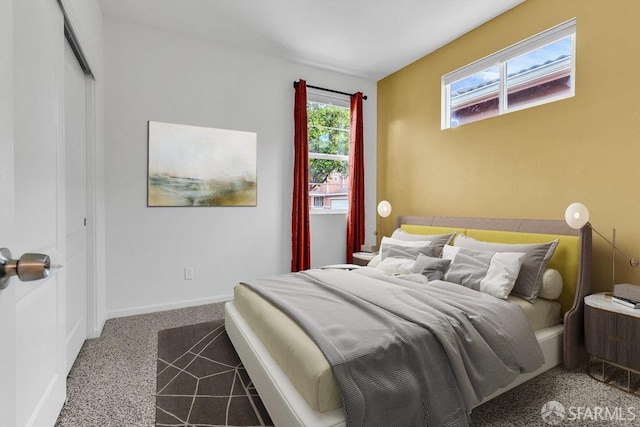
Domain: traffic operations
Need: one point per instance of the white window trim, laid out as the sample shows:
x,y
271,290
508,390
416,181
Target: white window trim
x,y
315,95
324,156
500,58
319,211
322,97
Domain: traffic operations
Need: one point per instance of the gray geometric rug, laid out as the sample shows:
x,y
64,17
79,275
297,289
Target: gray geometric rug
x,y
201,381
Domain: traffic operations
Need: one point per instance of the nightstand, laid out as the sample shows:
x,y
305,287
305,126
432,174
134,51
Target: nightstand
x,y
612,338
363,258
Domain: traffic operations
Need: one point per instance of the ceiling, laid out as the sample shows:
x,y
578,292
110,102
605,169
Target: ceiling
x,y
367,38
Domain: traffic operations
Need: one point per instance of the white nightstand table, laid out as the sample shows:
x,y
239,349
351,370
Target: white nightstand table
x,y
363,258
612,338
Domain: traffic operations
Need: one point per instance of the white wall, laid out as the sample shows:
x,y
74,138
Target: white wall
x,y
155,75
328,239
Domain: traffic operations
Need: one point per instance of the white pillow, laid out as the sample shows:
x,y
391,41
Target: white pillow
x,y
418,246
396,265
407,243
493,273
375,261
400,234
437,240
552,284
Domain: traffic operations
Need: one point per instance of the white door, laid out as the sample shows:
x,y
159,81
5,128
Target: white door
x,y
76,205
7,220
32,201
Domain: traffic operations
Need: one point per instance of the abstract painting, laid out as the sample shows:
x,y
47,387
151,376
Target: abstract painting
x,y
199,166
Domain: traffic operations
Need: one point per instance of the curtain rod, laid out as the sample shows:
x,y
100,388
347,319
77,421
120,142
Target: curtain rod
x,y
295,84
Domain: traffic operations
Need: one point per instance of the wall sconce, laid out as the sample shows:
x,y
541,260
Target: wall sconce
x,y
384,210
577,216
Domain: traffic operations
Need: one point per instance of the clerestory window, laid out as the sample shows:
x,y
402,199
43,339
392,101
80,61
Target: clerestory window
x,y
535,71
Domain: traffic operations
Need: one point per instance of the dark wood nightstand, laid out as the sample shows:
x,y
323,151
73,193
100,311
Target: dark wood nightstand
x,y
363,258
612,337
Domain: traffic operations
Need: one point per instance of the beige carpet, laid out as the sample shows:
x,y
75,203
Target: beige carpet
x,y
113,382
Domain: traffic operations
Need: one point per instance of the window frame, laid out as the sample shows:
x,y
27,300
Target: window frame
x,y
314,95
500,59
315,199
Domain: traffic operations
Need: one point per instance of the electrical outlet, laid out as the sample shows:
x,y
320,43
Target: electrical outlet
x,y
188,273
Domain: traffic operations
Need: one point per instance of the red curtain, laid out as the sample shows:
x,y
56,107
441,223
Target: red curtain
x,y
355,218
300,234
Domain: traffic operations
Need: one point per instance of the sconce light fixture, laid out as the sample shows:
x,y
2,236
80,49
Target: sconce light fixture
x,y
577,216
384,210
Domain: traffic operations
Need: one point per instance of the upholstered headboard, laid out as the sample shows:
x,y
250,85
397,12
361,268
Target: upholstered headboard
x,y
572,258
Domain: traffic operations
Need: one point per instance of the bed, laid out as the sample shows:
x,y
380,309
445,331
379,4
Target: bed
x,y
285,392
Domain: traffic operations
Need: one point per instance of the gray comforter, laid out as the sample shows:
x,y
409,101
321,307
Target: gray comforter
x,y
406,353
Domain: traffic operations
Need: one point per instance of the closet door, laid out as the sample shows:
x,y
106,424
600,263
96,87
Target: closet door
x,y
76,205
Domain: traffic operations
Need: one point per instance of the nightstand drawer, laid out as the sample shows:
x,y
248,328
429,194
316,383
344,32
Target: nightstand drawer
x,y
600,327
362,258
612,336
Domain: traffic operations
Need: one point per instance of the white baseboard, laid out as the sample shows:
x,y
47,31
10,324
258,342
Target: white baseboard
x,y
94,329
132,311
95,332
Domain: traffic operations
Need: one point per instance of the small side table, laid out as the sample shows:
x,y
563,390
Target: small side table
x,y
612,338
363,258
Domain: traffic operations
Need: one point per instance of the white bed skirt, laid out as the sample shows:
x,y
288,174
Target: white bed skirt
x,y
285,405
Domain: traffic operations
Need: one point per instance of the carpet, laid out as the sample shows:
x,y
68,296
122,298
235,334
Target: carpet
x,y
201,381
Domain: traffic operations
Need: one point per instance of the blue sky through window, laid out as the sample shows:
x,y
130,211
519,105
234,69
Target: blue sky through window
x,y
540,56
483,78
523,62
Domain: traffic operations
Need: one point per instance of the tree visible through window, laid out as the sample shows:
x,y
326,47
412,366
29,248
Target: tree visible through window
x,y
328,155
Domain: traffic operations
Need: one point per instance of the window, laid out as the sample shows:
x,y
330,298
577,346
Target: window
x,y
328,123
536,71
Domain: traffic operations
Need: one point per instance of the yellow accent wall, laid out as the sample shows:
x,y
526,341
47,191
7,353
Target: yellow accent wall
x,y
531,163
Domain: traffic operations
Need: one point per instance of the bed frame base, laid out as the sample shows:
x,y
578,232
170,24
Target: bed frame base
x,y
285,405
283,402
551,341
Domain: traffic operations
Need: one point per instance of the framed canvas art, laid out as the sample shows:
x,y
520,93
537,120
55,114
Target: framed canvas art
x,y
200,166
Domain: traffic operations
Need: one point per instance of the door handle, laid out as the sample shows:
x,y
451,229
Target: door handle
x,y
29,267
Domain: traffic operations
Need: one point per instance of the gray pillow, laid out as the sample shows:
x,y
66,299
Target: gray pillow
x,y
430,267
534,264
406,252
494,273
437,240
